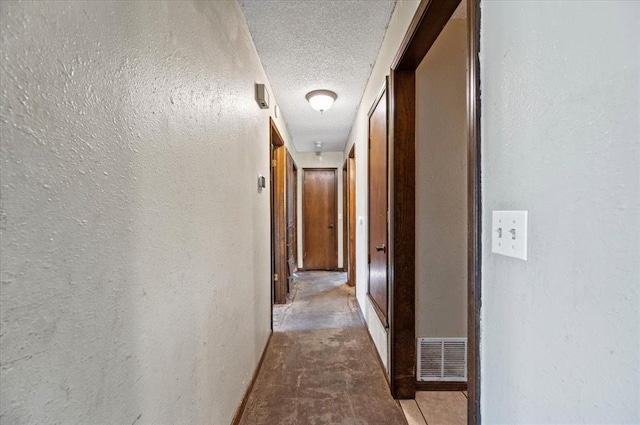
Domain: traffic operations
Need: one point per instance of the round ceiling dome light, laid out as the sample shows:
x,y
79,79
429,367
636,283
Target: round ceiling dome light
x,y
321,100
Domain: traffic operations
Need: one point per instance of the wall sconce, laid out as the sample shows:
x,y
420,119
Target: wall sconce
x,y
321,100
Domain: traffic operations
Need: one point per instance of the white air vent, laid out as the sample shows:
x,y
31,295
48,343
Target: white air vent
x,y
442,359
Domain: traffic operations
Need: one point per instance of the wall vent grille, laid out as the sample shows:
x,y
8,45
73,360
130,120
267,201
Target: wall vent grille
x,y
442,359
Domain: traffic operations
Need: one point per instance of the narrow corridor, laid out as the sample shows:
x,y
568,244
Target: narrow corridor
x,y
320,366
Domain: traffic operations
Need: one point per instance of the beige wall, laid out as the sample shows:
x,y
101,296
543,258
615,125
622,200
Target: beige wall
x,y
441,186
560,333
135,246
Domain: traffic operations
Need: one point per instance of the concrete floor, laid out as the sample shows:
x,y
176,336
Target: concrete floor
x,y
321,367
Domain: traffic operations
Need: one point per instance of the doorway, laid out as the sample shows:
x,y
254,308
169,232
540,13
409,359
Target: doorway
x,y
349,217
291,219
320,217
441,209
345,223
278,174
429,21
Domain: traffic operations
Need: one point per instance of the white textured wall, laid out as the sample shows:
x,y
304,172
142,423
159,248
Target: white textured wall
x,y
326,160
560,136
135,247
398,24
441,186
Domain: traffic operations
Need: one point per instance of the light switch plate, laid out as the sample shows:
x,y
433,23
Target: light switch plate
x,y
509,233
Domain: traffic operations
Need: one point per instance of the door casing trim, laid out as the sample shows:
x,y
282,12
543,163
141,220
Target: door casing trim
x,y
278,214
429,20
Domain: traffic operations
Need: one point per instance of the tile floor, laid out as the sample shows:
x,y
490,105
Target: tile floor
x,y
436,408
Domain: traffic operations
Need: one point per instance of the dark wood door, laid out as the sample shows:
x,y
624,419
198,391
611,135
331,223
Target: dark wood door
x,y
319,210
378,283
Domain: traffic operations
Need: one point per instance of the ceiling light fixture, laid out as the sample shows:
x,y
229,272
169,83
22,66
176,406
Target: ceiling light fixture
x,y
321,100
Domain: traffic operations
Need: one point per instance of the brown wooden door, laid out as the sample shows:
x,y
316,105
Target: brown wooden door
x,y
378,283
319,210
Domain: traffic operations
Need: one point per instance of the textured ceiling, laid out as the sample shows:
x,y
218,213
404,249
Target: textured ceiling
x,y
306,45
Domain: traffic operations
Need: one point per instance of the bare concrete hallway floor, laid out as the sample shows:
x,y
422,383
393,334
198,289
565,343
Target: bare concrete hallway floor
x,y
320,366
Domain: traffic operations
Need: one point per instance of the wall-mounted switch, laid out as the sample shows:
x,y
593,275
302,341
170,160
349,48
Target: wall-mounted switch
x,y
509,233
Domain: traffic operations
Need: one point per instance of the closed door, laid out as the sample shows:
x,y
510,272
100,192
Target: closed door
x,y
319,205
378,284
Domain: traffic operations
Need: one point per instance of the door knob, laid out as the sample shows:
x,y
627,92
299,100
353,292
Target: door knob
x,y
381,248
331,226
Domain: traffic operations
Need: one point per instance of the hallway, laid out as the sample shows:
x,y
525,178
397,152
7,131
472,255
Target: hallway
x,y
139,201
320,366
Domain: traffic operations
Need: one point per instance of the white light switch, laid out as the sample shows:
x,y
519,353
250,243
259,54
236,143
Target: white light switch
x,y
509,233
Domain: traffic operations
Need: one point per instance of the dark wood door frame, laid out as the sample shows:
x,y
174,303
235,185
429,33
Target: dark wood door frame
x,y
335,215
428,22
350,215
345,222
278,167
295,212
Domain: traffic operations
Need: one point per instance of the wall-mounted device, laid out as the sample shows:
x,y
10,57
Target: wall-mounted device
x,y
262,183
262,96
509,233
